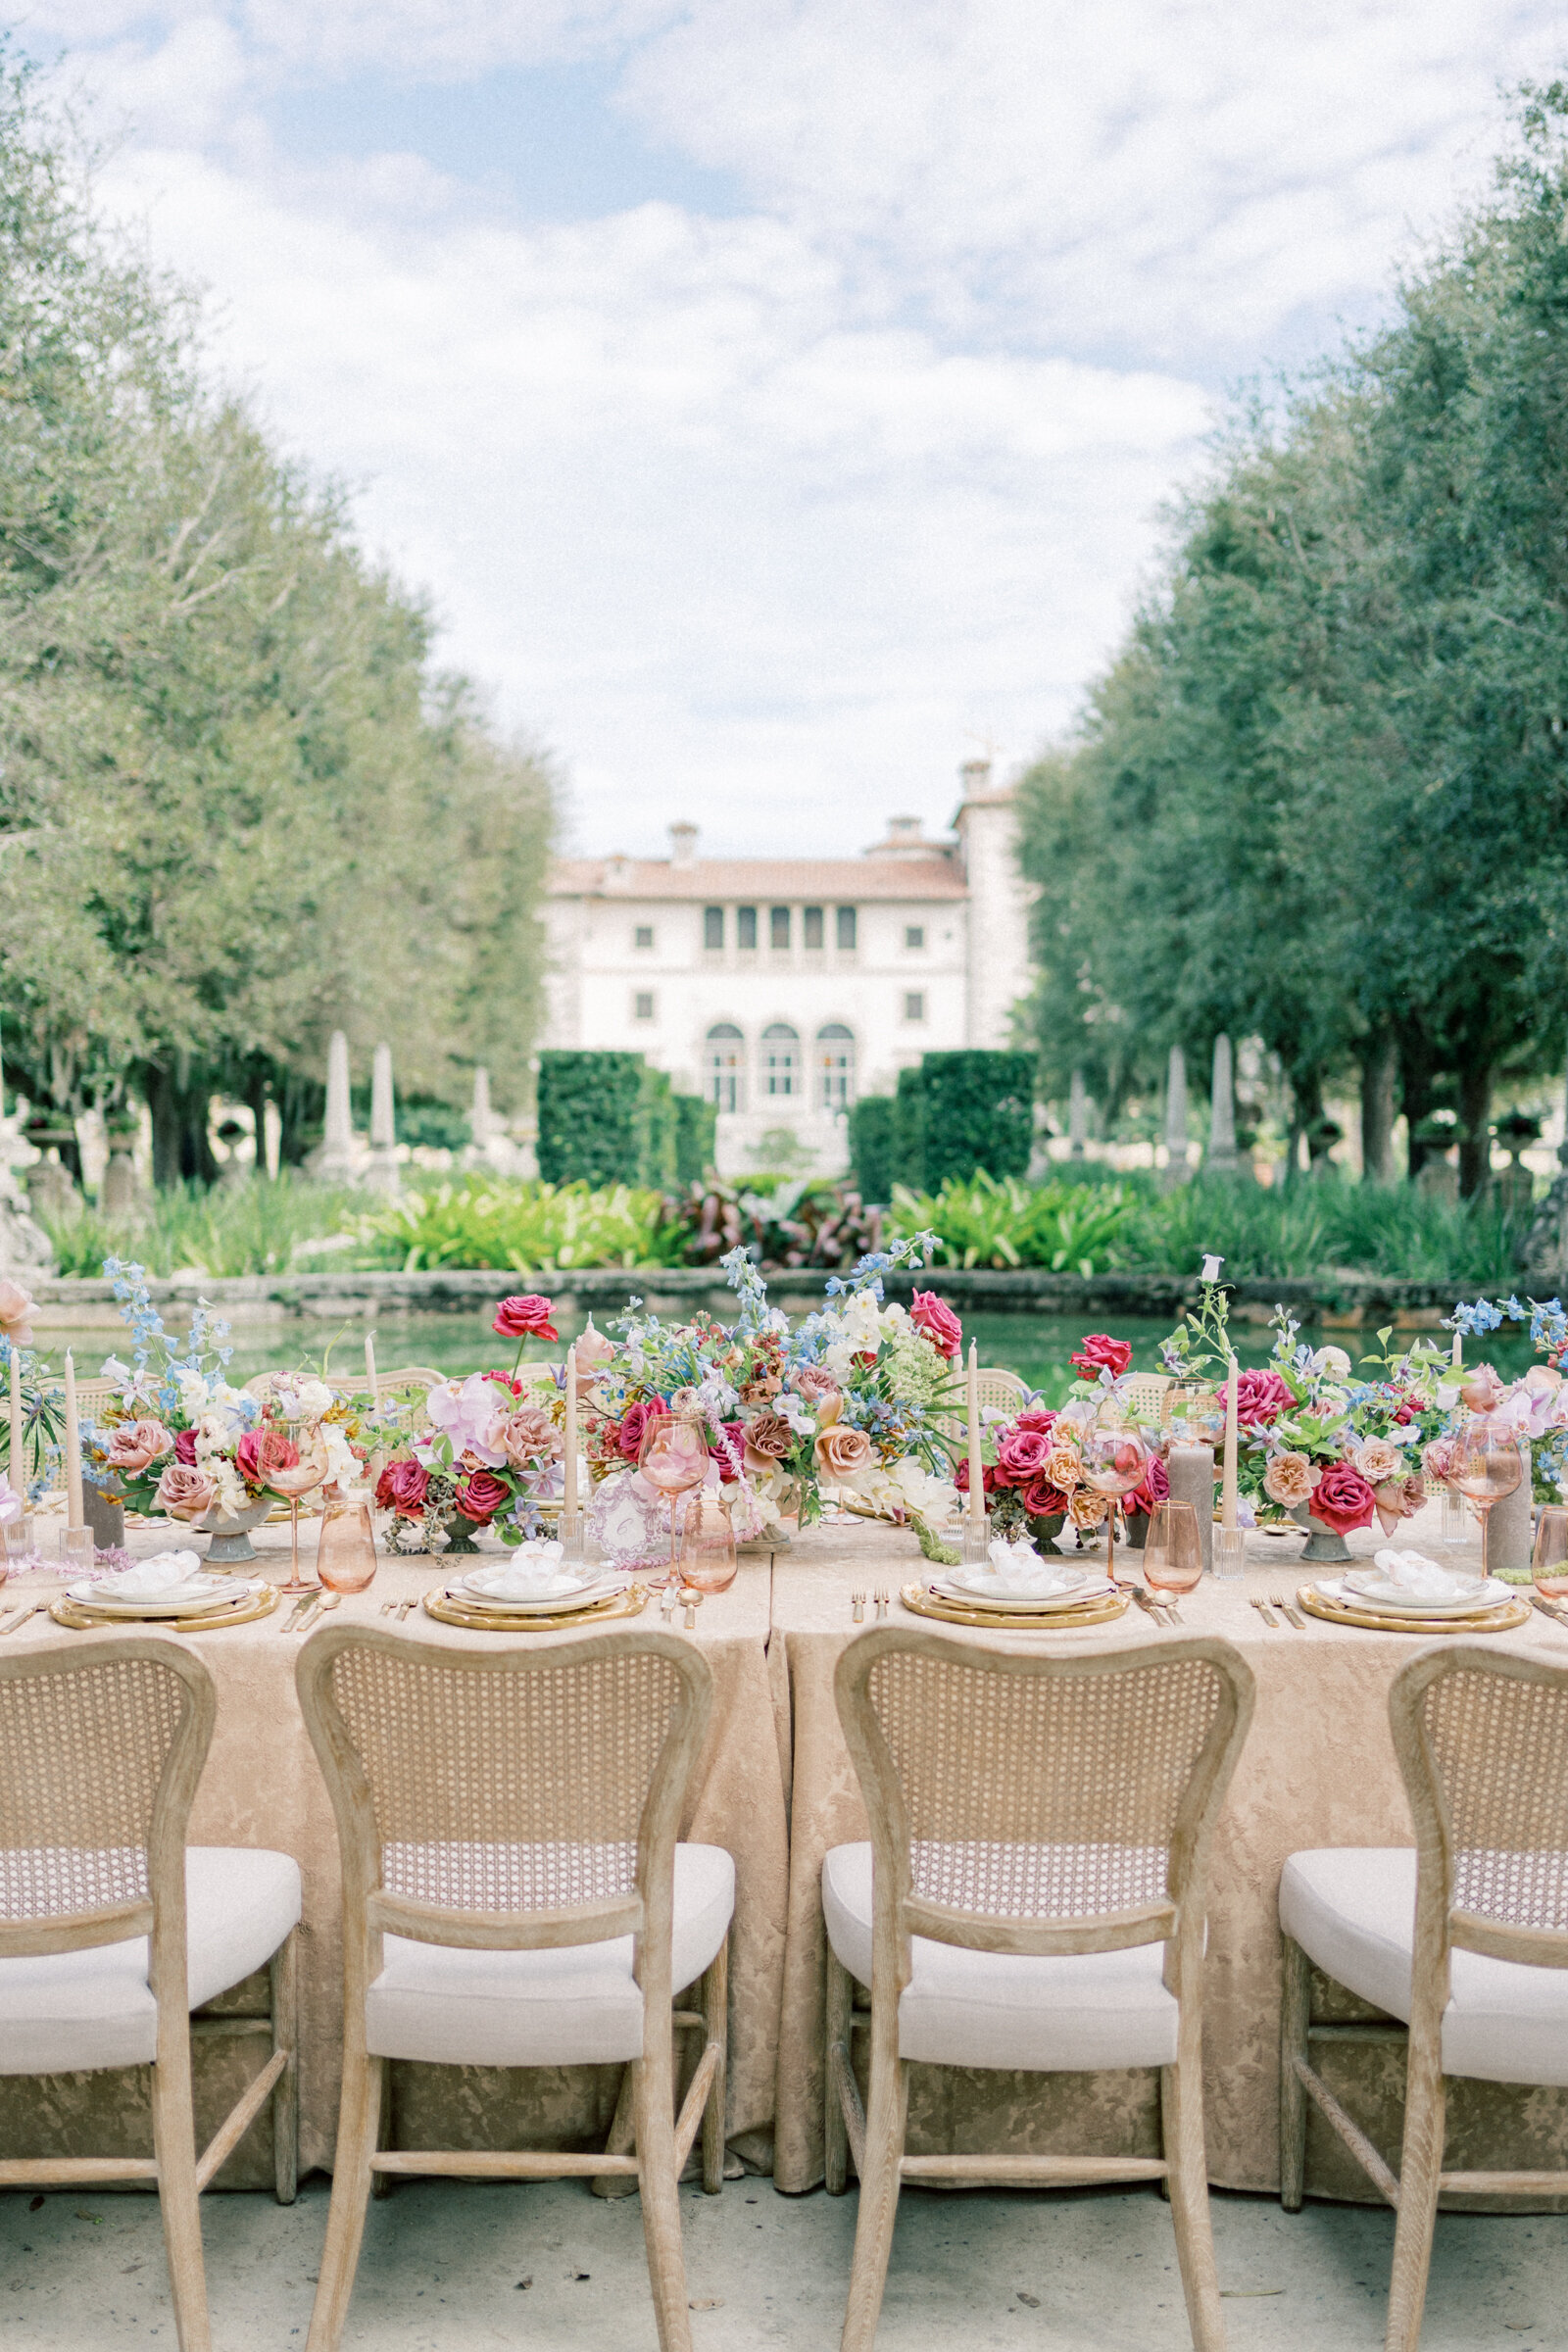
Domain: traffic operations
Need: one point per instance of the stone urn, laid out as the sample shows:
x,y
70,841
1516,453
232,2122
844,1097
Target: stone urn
x,y
1323,1548
230,1545
459,1534
1045,1531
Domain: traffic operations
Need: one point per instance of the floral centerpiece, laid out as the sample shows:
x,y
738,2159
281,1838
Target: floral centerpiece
x,y
1033,1461
854,1407
489,1454
1534,1405
42,1404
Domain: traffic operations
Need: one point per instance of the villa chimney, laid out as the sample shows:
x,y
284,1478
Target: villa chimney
x,y
975,777
683,844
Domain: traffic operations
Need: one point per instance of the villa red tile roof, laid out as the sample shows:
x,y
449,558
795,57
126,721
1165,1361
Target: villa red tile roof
x,y
760,880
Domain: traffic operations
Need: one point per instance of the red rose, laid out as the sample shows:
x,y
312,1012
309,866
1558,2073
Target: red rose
x,y
635,1421
1023,1450
1261,1398
262,1451
186,1447
960,1477
525,1317
1342,1499
480,1496
937,1322
402,1488
1042,1501
729,1457
1099,1352
1155,1489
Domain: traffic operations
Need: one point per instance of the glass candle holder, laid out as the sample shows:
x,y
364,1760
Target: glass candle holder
x,y
345,1552
20,1540
1549,1563
707,1562
76,1551
1230,1552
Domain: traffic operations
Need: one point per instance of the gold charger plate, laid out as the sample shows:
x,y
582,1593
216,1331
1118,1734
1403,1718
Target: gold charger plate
x,y
921,1602
448,1610
1499,1619
79,1615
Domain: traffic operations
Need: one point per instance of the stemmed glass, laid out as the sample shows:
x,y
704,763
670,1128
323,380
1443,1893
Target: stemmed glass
x,y
673,1458
1115,1460
1486,1467
293,1485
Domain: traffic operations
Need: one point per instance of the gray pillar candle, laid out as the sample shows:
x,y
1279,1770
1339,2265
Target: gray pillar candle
x,y
1191,1472
1510,1537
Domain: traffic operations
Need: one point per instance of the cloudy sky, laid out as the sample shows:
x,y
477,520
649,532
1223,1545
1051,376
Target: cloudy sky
x,y
774,396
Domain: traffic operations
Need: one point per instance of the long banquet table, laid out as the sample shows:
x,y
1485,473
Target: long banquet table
x,y
776,1788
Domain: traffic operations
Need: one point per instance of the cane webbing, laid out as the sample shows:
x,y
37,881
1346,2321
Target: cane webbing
x,y
1500,1747
1042,1797
82,1753
500,1790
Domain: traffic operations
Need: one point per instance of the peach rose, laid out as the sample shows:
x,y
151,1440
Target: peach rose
x,y
1064,1468
1087,1509
136,1443
769,1438
17,1311
1378,1461
526,1437
843,1454
186,1493
1289,1480
1394,1500
1481,1390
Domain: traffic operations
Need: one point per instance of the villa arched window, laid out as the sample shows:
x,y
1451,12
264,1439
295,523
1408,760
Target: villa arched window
x,y
781,1062
726,1066
835,1066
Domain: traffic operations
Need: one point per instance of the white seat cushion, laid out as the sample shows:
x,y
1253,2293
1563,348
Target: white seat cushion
x,y
67,2012
1067,2014
1351,1909
577,2005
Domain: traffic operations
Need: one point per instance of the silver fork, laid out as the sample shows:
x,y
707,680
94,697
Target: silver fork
x,y
884,1603
858,1608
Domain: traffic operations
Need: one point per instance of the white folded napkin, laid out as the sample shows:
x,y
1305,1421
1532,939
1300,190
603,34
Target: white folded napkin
x,y
1414,1572
532,1573
150,1579
1019,1568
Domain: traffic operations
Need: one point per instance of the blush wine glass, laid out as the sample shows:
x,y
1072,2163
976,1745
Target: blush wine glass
x,y
1115,1460
673,1458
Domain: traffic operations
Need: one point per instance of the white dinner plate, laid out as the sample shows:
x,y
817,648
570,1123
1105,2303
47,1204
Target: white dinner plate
x,y
569,1590
1374,1594
985,1594
196,1594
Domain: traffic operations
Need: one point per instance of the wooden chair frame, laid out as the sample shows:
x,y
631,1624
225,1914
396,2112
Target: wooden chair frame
x,y
1439,1929
875,2135
649,2144
180,2173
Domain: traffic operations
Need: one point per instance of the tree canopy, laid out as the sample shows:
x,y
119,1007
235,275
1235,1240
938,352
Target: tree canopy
x,y
239,805
1319,796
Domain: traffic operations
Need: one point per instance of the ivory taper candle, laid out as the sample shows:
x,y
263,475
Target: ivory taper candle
x,y
1458,1351
1228,1492
568,1500
76,1513
370,1370
16,1465
977,1474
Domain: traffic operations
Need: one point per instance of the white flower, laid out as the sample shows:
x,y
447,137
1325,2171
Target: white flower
x,y
1211,1268
342,1463
112,1369
232,1496
935,1498
1331,1362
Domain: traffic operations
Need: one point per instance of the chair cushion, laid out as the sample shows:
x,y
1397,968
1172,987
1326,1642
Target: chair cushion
x,y
67,2012
574,2005
1067,2014
1351,1909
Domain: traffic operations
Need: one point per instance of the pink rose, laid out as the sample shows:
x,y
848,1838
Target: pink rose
x,y
185,1447
1440,1458
1481,1390
937,1322
262,1453
990,1481
1099,1352
525,1317
1260,1399
1023,1448
1154,1489
1342,1499
526,1438
634,1425
135,1444
402,1488
17,1311
1042,1501
770,1437
480,1497
812,1383
186,1493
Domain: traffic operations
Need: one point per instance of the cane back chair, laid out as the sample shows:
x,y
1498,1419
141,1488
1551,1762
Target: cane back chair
x,y
1466,1937
1039,1831
513,1895
112,1930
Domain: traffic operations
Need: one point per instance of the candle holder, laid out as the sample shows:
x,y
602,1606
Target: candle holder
x,y
976,1546
1230,1553
76,1549
20,1540
571,1529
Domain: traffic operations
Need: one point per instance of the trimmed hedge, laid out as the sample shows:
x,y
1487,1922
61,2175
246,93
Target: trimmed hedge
x,y
977,1112
908,1129
607,1119
871,1138
696,1133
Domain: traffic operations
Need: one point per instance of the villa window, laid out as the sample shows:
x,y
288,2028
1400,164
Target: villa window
x,y
643,936
914,1004
712,926
641,1004
915,935
811,926
846,928
835,1066
781,1062
726,1066
746,926
778,927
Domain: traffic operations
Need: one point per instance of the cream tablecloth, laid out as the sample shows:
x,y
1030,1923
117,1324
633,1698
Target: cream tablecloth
x,y
261,1787
1318,1770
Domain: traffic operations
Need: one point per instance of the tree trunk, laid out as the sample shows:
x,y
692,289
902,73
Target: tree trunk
x,y
257,1092
301,1109
1378,1069
1475,1126
1306,1116
181,1151
1416,1075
